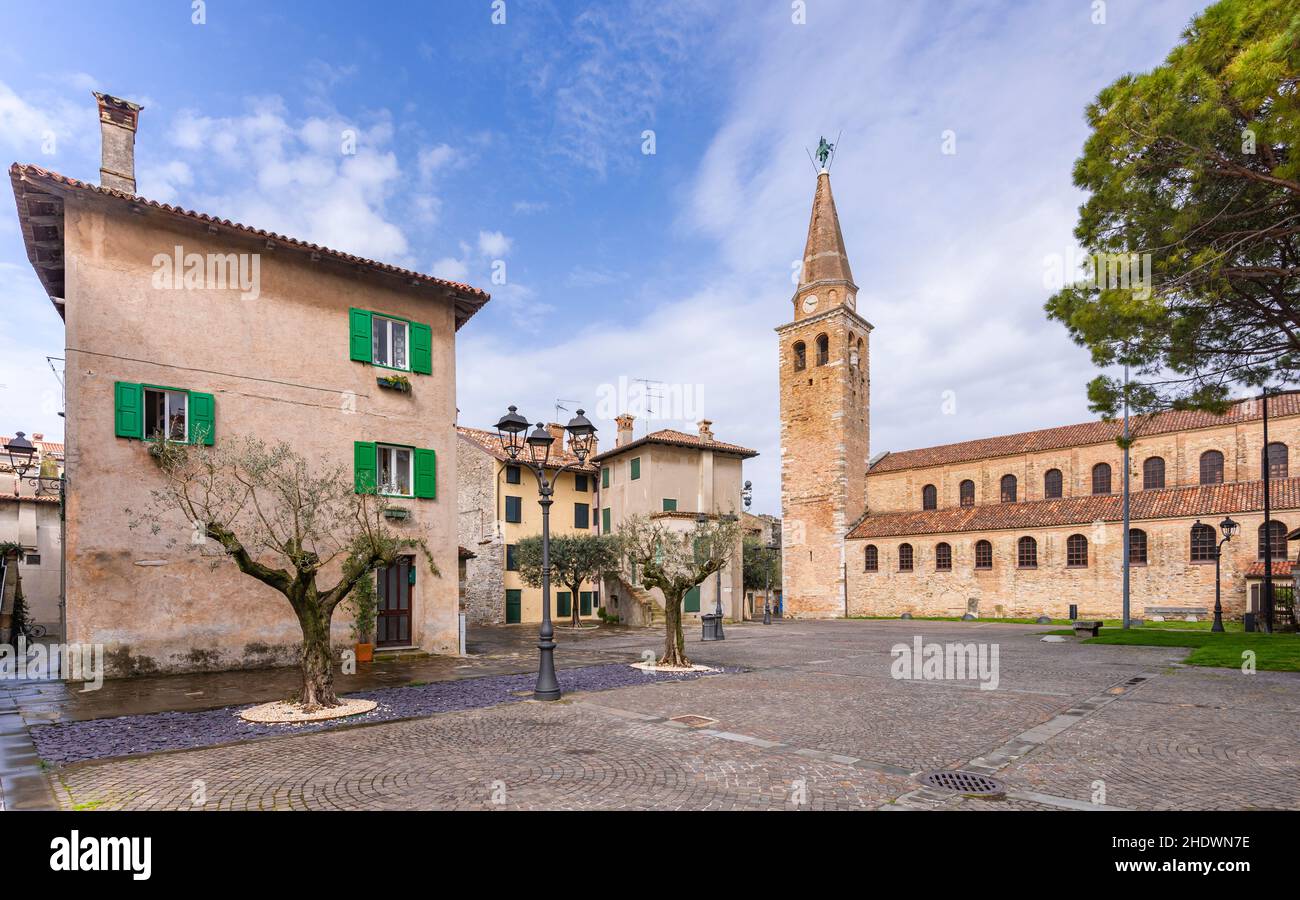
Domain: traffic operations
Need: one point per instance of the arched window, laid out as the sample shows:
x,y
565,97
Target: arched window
x,y
904,557
1076,551
1052,484
1153,473
1204,543
943,557
983,555
1277,460
873,558
800,356
967,491
1008,489
1211,467
1137,547
1027,553
1278,533
1101,478
823,349
929,497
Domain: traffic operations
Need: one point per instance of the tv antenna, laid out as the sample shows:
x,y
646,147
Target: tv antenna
x,y
560,406
653,395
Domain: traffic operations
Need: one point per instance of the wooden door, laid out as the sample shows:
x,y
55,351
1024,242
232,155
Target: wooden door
x,y
394,621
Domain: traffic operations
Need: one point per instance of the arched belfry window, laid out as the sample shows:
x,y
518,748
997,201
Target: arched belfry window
x,y
800,356
823,349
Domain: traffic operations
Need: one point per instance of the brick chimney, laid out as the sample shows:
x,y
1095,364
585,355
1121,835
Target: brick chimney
x,y
706,430
624,429
38,436
557,432
118,119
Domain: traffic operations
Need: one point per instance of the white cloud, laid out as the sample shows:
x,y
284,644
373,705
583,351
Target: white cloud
x,y
432,159
493,244
450,268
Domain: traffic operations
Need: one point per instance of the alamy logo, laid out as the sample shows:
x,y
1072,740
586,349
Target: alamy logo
x,y
53,662
946,662
102,854
181,271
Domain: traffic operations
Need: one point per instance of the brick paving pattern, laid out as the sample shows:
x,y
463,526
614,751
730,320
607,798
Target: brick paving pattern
x,y
817,723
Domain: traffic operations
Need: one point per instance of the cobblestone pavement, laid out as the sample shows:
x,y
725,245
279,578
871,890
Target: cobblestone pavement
x,y
817,723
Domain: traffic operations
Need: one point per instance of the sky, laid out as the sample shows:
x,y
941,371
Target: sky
x,y
630,181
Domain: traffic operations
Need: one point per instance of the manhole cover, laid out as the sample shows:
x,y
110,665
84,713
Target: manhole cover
x,y
693,721
963,782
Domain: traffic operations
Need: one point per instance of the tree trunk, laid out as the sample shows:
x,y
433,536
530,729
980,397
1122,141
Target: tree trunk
x,y
674,640
576,619
317,658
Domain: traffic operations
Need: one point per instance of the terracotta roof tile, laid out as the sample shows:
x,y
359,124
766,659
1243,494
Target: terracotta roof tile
x,y
1198,500
1282,567
21,174
1097,432
673,438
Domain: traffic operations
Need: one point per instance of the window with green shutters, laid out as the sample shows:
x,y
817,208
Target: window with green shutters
x,y
604,477
394,470
636,468
512,557
584,603
390,342
604,520
150,411
670,505
564,604
581,515
514,509
580,483
514,602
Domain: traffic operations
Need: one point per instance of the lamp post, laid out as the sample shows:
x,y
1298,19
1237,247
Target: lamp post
x,y
510,431
772,547
1229,528
22,456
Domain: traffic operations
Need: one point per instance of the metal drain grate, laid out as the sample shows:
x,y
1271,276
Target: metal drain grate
x,y
963,782
693,721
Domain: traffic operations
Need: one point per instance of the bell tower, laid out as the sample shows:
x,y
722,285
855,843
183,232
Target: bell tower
x,y
825,400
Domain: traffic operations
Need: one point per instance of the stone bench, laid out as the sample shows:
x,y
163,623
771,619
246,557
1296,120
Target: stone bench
x,y
1182,612
1087,628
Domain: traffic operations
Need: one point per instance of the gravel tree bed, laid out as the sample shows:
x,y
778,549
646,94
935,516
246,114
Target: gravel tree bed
x,y
64,743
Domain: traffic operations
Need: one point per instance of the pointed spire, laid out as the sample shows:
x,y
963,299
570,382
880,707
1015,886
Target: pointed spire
x,y
824,259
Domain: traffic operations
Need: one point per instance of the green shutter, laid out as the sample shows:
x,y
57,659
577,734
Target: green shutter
x,y
359,335
636,468
203,417
604,520
563,604
426,474
421,349
514,600
128,409
670,505
691,602
584,605
365,466
604,477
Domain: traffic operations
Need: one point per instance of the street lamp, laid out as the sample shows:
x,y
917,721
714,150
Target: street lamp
x,y
772,548
1229,528
510,431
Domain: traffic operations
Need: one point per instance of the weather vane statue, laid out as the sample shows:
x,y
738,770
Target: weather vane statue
x,y
824,150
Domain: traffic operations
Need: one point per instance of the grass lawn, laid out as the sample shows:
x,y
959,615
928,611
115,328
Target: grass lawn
x,y
1107,623
1273,652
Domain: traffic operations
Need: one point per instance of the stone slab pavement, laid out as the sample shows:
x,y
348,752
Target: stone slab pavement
x,y
816,721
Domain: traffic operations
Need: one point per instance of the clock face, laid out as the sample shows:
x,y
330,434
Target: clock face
x,y
851,301
810,303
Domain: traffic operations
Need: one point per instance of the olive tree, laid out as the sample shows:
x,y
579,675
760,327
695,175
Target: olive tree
x,y
283,521
676,560
575,560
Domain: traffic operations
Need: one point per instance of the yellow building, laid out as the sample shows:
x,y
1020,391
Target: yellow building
x,y
498,508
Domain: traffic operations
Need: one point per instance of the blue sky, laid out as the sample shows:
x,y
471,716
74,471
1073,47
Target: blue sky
x,y
521,144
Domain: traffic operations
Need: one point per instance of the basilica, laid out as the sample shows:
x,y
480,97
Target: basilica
x,y
1015,525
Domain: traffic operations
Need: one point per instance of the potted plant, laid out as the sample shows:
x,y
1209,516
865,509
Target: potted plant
x,y
363,622
395,383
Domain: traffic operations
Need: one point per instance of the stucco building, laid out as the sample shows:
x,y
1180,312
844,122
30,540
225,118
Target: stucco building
x,y
1016,525
497,508
674,477
348,360
30,519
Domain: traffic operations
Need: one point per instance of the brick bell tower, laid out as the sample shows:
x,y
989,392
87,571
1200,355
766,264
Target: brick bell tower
x,y
825,399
